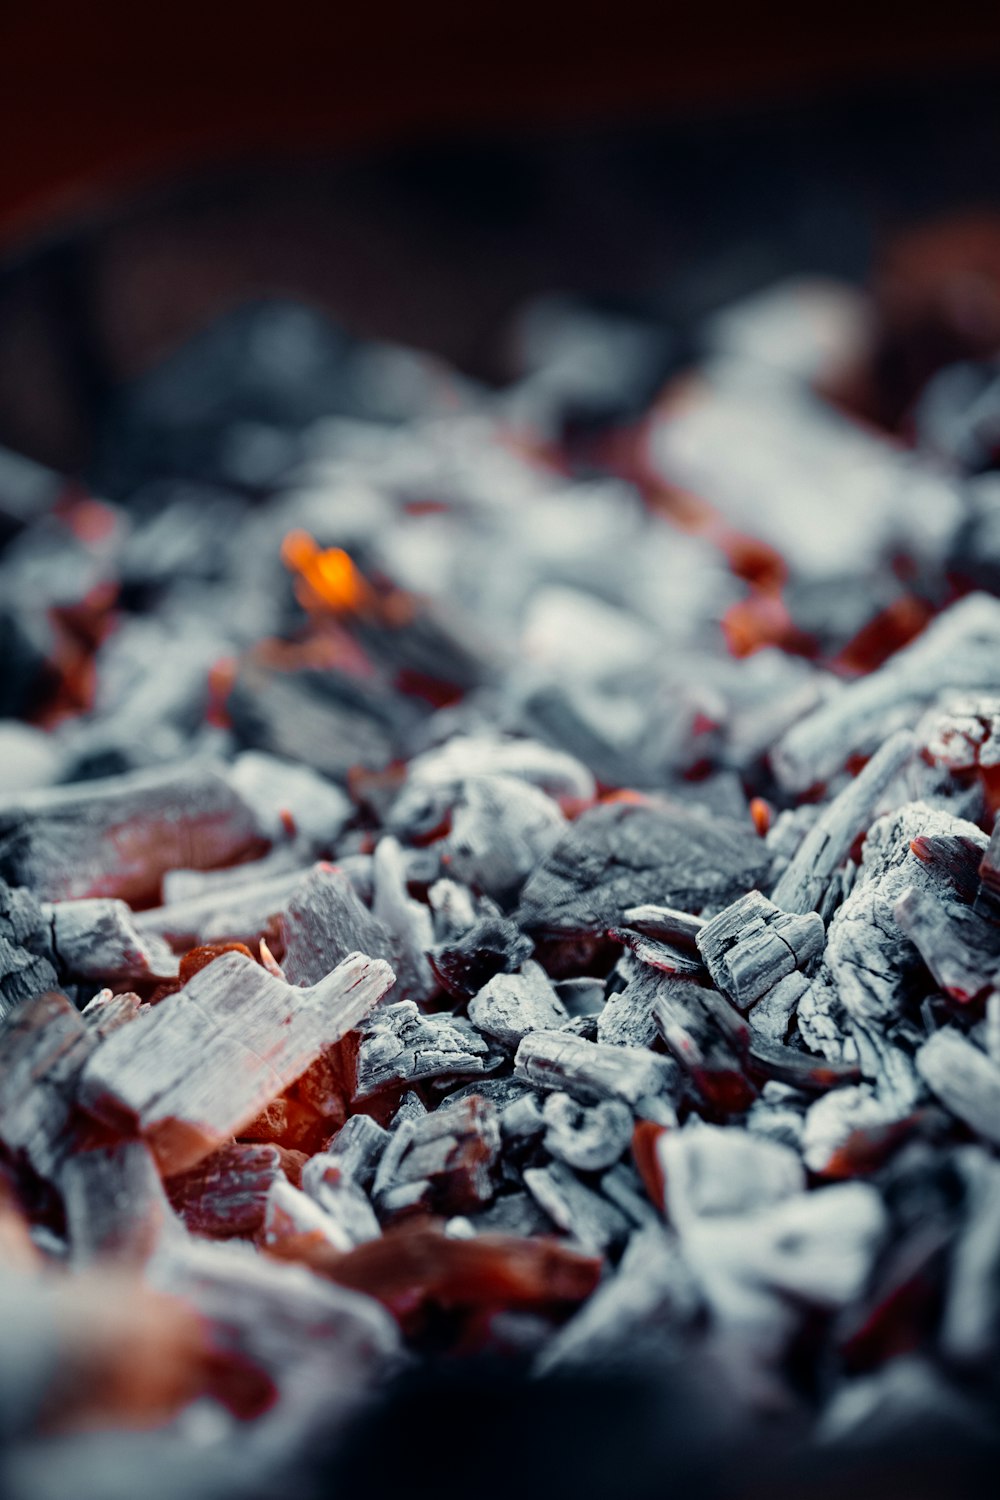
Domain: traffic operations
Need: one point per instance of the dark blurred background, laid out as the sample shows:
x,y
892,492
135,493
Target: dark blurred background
x,y
420,170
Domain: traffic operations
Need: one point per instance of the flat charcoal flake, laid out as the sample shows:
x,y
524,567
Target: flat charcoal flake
x,y
208,1059
625,854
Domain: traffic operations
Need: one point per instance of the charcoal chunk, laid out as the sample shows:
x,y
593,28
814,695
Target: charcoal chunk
x,y
208,1059
493,946
620,855
322,922
752,945
399,1045
509,1006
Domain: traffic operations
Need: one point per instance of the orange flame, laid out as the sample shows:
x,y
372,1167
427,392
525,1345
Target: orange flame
x,y
329,575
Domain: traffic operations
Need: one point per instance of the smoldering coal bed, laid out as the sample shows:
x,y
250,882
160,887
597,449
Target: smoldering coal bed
x,y
506,915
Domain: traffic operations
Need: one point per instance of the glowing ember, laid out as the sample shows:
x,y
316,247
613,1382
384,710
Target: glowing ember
x,y
329,576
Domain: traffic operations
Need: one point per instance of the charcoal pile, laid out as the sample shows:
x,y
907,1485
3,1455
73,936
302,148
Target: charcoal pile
x,y
476,885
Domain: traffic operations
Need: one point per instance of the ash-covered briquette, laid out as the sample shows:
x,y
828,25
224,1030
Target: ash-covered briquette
x,y
508,907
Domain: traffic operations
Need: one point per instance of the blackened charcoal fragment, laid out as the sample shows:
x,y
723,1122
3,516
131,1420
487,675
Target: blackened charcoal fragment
x,y
593,1222
664,923
358,1146
965,1080
329,721
590,1071
849,814
622,854
511,1005
710,1053
957,650
448,1160
587,1137
752,945
960,948
657,954
26,960
119,836
399,1045
495,945
322,922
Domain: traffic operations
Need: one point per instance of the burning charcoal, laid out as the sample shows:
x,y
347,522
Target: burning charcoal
x,y
829,840
907,1400
636,1318
708,1053
802,1071
959,947
593,1222
69,842
181,886
958,649
232,1021
411,1108
449,1159
777,1115
845,1128
319,1344
327,1179
358,1145
590,1071
226,1193
417,1264
964,1079
752,945
408,922
322,922
588,1138
107,1011
510,1006
622,854
43,1047
965,734
710,1171
493,946
970,1328
658,955
115,1204
291,1215
96,939
869,966
399,1045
